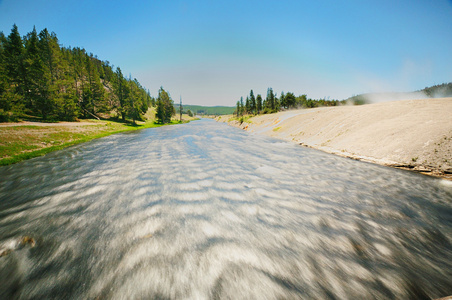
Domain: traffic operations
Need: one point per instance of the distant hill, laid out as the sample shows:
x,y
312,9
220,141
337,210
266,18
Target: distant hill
x,y
207,110
436,91
439,91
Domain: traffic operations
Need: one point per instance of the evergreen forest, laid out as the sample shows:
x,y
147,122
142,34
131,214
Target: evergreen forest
x,y
42,80
271,103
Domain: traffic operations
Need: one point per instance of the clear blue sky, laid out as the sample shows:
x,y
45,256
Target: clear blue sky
x,y
214,52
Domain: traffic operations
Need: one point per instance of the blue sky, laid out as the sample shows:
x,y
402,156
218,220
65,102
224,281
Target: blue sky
x,y
214,52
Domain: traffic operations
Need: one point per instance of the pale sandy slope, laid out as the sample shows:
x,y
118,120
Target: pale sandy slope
x,y
415,134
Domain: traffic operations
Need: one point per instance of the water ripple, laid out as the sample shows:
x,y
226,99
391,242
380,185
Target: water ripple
x,y
205,211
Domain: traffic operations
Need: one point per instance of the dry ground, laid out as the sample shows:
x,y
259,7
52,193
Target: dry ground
x,y
412,134
27,137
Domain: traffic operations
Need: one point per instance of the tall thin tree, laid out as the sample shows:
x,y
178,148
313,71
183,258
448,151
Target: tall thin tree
x,y
180,109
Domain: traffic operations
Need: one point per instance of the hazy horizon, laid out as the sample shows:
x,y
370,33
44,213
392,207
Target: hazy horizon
x,y
212,53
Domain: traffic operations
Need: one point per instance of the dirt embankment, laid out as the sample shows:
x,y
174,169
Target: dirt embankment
x,y
411,134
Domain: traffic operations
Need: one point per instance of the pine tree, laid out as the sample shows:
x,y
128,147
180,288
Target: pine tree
x,y
93,90
121,90
290,100
242,106
282,100
247,105
165,107
108,71
66,107
50,53
98,93
135,101
51,81
259,103
14,55
77,72
36,97
4,105
270,100
301,101
253,105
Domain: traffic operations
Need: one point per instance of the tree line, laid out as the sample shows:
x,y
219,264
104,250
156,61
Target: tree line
x,y
42,79
208,110
271,103
439,90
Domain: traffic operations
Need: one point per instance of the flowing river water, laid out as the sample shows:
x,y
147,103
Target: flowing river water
x,y
206,211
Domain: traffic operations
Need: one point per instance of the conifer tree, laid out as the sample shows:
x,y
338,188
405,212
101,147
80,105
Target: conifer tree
x,y
97,92
135,101
120,89
247,105
77,71
4,104
270,100
253,105
50,84
14,55
36,97
242,106
165,107
290,100
282,100
50,52
259,103
51,81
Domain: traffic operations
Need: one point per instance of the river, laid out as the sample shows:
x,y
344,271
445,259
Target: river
x,y
207,211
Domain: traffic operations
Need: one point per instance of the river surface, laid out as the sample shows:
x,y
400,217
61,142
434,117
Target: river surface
x,y
207,211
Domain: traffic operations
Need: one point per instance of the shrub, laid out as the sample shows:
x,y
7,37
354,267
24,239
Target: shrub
x,y
7,116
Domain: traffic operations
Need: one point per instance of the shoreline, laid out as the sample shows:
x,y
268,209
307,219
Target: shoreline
x,y
25,140
413,135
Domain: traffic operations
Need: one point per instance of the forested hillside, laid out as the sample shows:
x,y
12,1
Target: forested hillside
x,y
39,78
207,110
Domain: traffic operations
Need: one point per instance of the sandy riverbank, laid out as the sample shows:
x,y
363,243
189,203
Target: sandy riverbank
x,y
412,134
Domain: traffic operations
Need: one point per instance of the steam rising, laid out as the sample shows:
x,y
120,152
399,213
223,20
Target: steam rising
x,y
387,97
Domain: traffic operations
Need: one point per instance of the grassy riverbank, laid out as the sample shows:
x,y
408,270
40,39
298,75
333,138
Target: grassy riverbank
x,y
21,141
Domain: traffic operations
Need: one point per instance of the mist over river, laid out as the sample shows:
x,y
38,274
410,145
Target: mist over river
x,y
207,211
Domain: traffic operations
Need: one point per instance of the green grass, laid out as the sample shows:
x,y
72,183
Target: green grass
x,y
207,110
241,119
18,143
